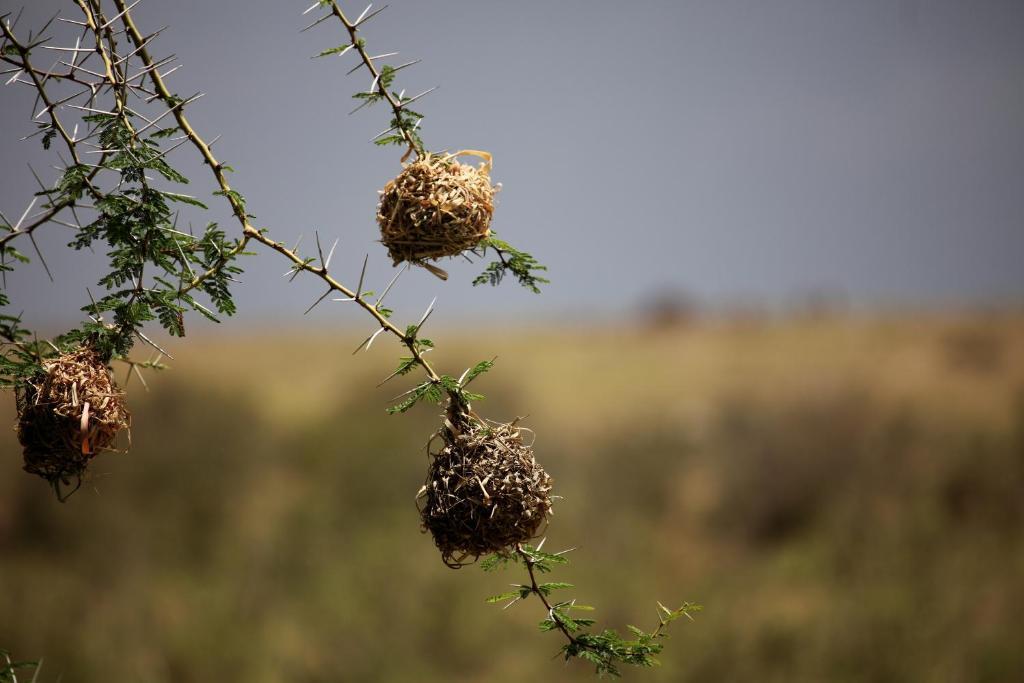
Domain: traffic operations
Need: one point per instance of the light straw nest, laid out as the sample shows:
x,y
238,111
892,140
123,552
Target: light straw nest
x,y
68,414
436,207
484,493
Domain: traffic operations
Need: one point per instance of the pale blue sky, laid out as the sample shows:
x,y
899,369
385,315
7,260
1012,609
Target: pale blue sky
x,y
748,150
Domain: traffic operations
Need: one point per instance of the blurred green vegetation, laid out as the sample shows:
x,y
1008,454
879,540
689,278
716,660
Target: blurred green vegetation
x,y
845,497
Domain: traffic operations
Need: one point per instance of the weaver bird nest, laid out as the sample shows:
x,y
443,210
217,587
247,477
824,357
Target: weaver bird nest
x,y
484,493
67,415
436,207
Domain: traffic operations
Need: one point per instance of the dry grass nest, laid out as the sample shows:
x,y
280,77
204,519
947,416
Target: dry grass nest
x,y
484,493
68,414
436,207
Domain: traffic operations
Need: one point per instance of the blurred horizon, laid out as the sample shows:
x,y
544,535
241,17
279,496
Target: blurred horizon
x,y
662,307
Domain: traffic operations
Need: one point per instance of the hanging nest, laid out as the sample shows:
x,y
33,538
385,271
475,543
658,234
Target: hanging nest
x,y
67,415
484,492
436,207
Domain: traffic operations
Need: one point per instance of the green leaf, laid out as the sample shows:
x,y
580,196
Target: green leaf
x,y
523,266
477,370
546,588
48,137
164,132
498,561
542,561
185,199
405,365
340,50
502,597
236,199
73,182
428,390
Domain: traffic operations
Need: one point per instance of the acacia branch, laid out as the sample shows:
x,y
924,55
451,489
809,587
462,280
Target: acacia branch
x,y
31,227
535,590
39,82
248,231
224,259
46,75
360,46
178,111
100,28
23,53
605,650
320,271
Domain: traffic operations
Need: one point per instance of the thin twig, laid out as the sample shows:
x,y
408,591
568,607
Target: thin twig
x,y
250,233
352,27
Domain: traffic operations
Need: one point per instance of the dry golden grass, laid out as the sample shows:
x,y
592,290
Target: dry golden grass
x,y
842,494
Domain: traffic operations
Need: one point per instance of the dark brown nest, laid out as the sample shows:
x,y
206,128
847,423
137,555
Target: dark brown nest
x,y
436,207
69,414
484,493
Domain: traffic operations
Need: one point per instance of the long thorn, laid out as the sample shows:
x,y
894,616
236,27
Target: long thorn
x,y
391,284
325,294
365,19
383,132
360,17
142,379
120,14
32,238
362,275
152,343
368,341
29,208
318,21
330,254
430,309
422,94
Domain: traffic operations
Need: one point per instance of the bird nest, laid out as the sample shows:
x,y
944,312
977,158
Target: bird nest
x,y
436,207
67,415
484,492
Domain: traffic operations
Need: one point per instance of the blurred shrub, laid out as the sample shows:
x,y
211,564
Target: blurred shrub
x,y
781,465
974,348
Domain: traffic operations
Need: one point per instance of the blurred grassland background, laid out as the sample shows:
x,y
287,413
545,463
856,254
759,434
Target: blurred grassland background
x,y
843,493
